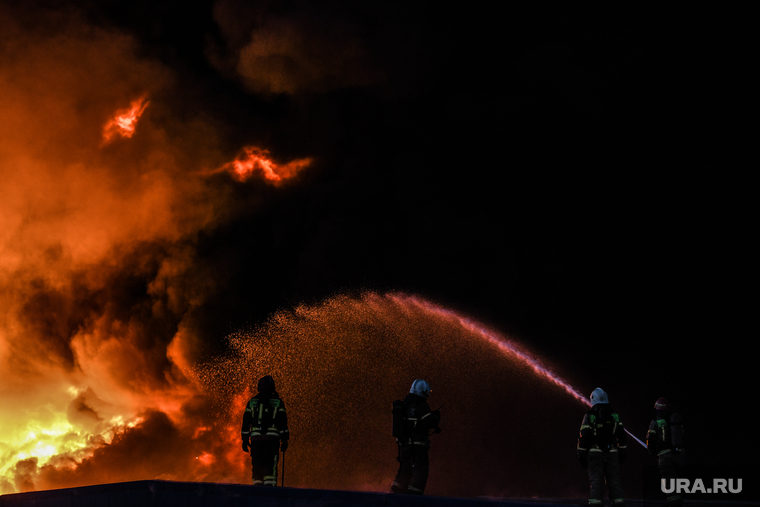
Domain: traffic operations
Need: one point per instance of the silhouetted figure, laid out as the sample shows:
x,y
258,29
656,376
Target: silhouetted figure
x,y
665,440
265,424
601,449
412,421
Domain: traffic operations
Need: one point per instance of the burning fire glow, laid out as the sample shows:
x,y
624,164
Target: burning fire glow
x,y
254,160
99,283
124,121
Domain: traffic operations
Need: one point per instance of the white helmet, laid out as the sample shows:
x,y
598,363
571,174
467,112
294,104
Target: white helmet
x,y
599,396
420,388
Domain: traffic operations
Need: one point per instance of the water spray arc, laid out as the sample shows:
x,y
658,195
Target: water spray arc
x,y
503,344
358,352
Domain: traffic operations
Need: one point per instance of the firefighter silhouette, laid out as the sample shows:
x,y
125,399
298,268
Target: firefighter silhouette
x,y
265,425
412,420
601,449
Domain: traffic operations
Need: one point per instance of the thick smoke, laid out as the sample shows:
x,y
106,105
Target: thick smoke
x,y
296,52
98,271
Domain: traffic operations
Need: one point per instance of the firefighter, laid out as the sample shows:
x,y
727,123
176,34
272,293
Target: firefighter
x,y
665,440
265,424
601,449
413,421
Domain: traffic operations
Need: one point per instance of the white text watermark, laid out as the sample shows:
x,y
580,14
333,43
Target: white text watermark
x,y
685,486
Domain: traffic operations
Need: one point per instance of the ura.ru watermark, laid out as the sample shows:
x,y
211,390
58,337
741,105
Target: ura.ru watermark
x,y
686,486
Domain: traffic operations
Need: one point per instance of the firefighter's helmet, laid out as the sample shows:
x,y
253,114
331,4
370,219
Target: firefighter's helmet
x,y
266,384
662,404
599,396
420,388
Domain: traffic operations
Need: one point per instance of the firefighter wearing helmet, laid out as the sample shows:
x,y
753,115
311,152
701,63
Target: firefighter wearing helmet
x,y
412,422
265,424
601,449
665,440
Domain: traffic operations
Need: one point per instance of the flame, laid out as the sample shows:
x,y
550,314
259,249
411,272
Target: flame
x,y
206,458
95,352
254,160
124,121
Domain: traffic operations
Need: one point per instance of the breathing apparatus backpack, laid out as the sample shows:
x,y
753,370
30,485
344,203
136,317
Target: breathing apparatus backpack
x,y
263,412
670,431
605,423
400,426
676,431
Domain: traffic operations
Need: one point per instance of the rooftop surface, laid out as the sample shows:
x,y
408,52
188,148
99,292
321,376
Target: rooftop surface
x,y
193,494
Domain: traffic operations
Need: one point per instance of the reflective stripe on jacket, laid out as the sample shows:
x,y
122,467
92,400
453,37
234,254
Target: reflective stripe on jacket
x,y
265,417
420,420
587,441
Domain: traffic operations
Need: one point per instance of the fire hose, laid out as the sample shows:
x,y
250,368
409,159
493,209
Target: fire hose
x,y
636,439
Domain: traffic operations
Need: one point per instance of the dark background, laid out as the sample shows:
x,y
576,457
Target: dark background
x,y
576,177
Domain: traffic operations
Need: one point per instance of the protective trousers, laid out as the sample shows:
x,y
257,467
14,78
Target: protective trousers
x,y
672,467
412,471
264,458
604,467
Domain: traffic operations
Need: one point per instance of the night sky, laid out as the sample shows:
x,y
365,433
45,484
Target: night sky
x,y
576,177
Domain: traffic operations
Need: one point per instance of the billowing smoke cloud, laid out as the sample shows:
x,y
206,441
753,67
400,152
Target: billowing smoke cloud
x,y
98,272
295,53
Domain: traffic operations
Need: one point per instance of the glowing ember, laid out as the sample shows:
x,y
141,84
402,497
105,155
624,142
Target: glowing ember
x,y
124,122
256,160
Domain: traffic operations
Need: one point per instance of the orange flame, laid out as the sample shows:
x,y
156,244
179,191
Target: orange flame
x,y
255,159
125,120
206,458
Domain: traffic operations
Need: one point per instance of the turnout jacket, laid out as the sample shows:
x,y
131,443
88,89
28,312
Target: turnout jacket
x,y
420,420
265,418
601,431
